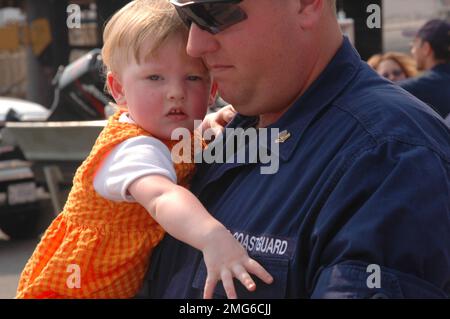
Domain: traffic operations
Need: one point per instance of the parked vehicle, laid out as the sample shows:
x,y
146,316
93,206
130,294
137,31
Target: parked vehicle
x,y
80,93
21,198
79,96
12,109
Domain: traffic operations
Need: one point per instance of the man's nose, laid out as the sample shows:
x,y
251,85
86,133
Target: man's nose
x,y
200,42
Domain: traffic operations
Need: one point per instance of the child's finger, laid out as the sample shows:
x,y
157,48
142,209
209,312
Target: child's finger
x,y
229,115
244,277
255,268
228,285
216,130
210,284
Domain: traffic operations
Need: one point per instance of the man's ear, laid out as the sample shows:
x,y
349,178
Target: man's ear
x,y
115,88
427,49
213,95
310,12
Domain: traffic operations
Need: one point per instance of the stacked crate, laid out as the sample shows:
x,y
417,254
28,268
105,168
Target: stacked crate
x,y
12,53
13,73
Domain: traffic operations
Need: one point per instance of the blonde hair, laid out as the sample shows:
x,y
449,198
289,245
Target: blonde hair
x,y
135,23
406,63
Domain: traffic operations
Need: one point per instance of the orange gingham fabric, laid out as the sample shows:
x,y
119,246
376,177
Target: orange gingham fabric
x,y
110,242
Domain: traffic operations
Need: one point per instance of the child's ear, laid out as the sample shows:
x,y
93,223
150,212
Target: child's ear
x,y
115,88
213,95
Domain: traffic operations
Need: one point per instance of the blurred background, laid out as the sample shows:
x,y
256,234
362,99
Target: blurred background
x,y
53,103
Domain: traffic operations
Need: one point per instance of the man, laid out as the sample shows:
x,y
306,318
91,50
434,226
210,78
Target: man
x,y
431,50
359,207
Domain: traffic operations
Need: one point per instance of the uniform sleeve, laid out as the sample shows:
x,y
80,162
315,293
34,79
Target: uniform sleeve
x,y
447,120
407,84
130,160
390,209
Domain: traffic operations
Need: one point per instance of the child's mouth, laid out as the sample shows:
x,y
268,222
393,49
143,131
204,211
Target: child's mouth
x,y
177,114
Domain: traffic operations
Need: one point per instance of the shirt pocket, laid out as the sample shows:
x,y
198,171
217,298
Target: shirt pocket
x,y
278,267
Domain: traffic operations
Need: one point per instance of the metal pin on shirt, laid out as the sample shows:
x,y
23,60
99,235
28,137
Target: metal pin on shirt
x,y
283,137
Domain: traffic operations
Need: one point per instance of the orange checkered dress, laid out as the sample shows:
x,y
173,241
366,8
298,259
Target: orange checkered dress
x,y
106,244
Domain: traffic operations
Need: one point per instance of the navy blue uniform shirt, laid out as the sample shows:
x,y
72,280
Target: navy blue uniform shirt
x,y
433,87
363,182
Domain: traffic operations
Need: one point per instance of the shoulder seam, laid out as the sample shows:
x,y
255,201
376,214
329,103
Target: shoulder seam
x,y
350,159
389,138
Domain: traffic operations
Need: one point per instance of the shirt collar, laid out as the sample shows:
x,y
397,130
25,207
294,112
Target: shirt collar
x,y
442,67
332,81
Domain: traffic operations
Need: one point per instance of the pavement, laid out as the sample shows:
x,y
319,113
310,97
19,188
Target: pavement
x,y
13,257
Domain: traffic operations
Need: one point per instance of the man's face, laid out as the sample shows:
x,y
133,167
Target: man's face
x,y
259,63
418,52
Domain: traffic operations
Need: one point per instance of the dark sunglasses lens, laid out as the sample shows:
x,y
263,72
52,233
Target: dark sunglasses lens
x,y
183,16
212,17
395,73
224,15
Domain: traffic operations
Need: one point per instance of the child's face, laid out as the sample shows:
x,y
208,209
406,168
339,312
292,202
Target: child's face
x,y
165,91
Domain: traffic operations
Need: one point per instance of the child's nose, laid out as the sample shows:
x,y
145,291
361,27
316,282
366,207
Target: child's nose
x,y
176,92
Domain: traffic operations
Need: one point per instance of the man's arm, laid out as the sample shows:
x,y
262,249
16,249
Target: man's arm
x,y
384,231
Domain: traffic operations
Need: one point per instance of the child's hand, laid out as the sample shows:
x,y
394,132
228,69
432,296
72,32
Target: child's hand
x,y
218,120
225,258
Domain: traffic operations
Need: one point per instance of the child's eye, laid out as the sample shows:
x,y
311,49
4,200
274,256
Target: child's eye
x,y
194,78
154,77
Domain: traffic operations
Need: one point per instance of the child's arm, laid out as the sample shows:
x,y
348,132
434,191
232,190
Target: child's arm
x,y
180,213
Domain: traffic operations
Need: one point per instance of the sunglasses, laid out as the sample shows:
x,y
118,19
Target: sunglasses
x,y
213,16
395,73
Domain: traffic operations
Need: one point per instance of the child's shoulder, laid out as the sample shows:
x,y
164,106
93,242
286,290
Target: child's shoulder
x,y
120,124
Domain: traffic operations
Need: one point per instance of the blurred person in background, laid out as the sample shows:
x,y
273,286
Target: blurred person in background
x,y
394,66
431,50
